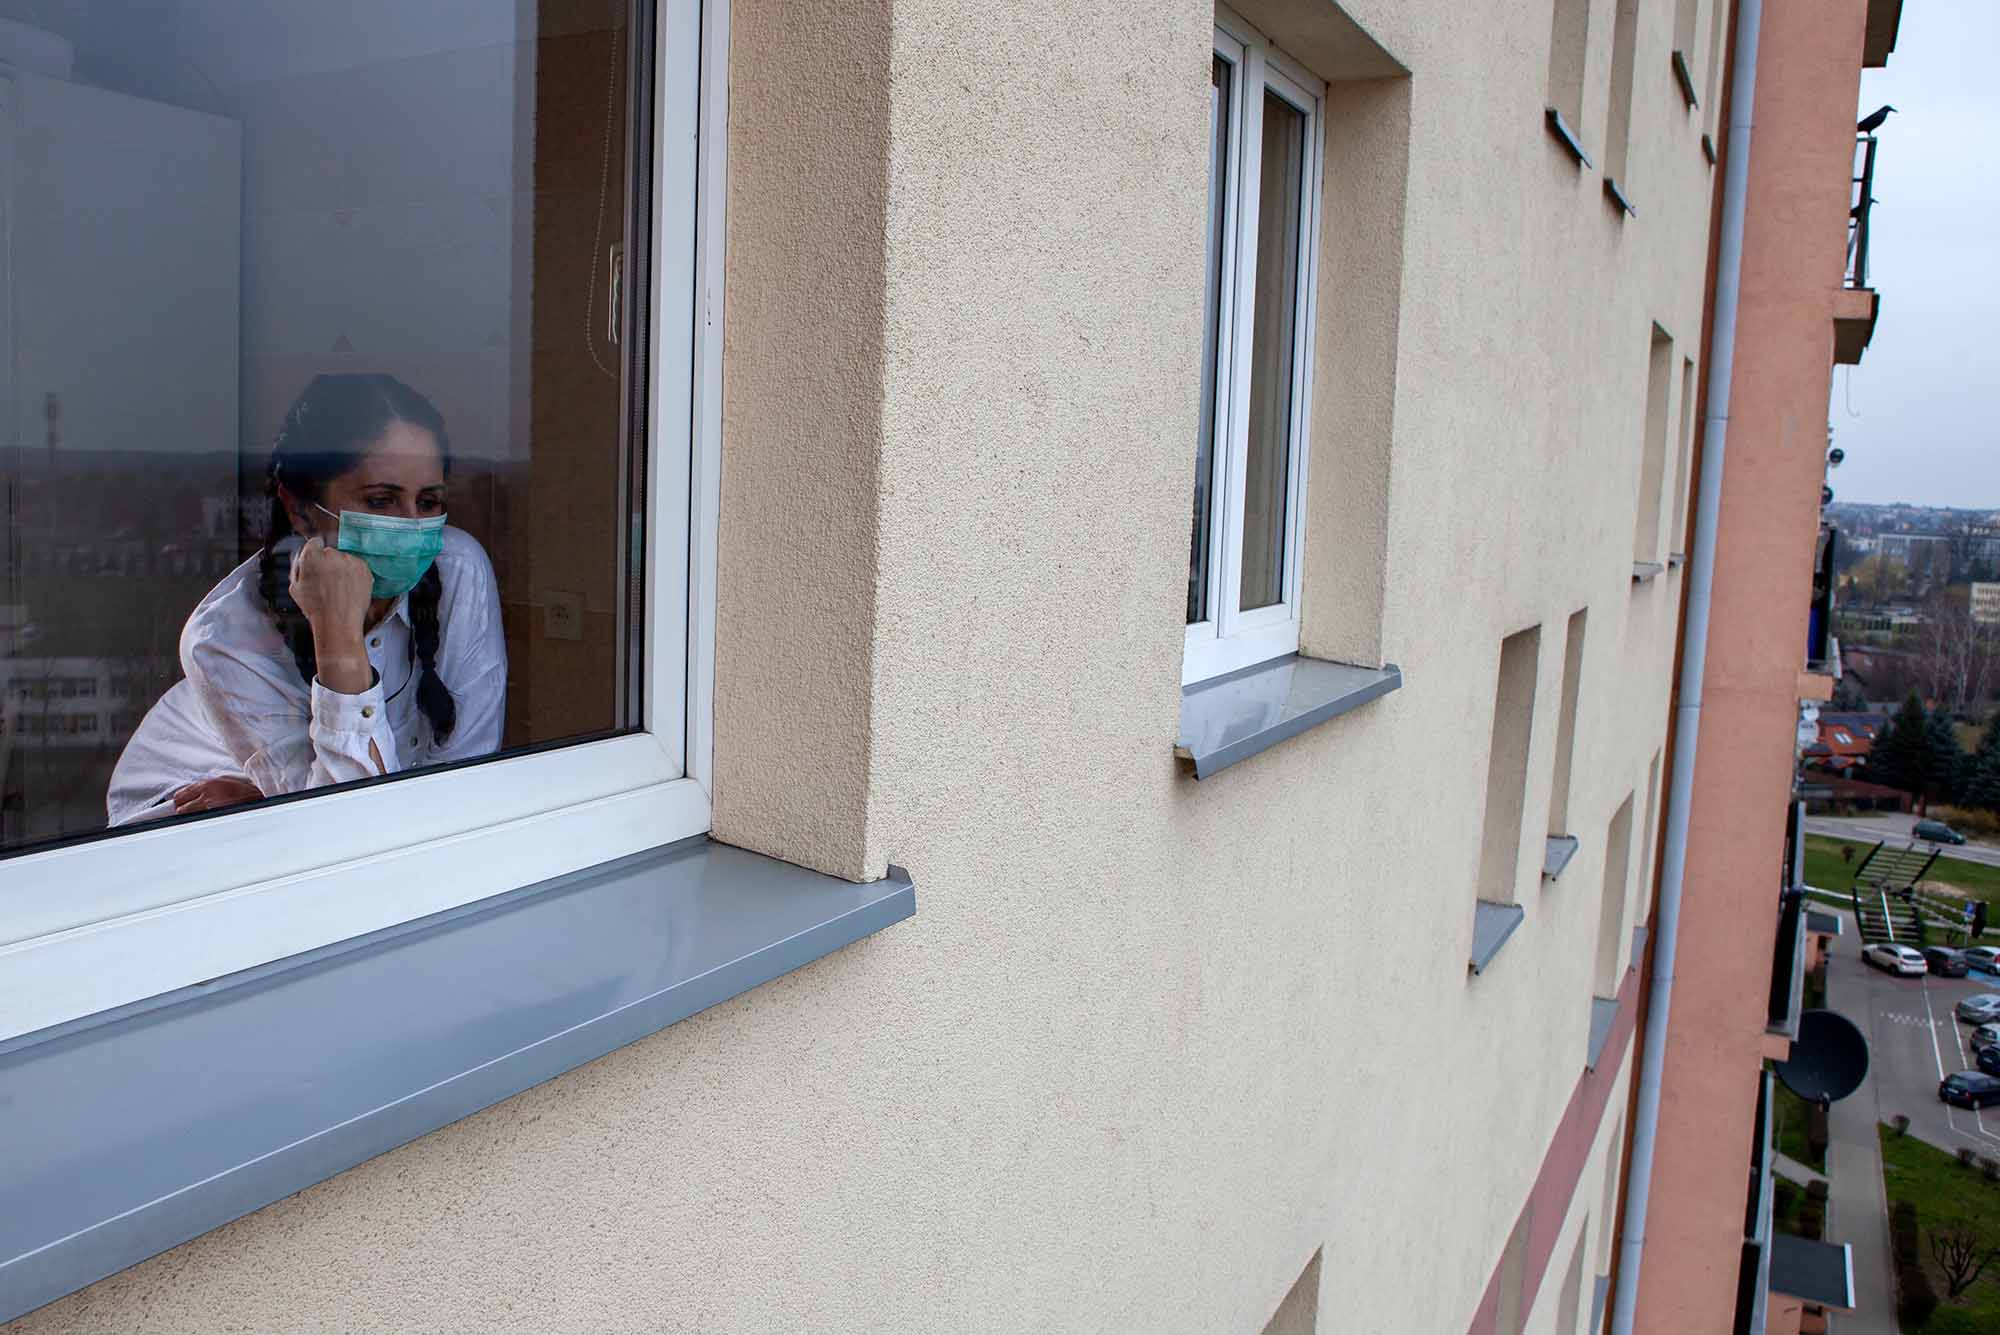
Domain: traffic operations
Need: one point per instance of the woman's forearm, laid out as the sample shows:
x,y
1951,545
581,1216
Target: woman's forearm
x,y
342,663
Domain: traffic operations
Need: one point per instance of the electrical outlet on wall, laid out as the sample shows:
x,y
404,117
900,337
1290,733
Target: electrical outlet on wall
x,y
562,616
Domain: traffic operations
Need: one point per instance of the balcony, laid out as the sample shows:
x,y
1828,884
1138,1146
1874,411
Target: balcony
x,y
1788,945
1856,305
1753,1277
1822,649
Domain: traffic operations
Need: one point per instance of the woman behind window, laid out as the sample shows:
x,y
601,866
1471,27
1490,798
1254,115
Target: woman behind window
x,y
364,638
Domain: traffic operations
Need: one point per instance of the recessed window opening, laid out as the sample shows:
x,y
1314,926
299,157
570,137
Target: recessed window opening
x,y
1684,458
1572,685
1718,26
1265,118
1569,45
1618,122
1651,835
1571,1302
1298,1314
1652,464
1617,883
1507,767
1685,17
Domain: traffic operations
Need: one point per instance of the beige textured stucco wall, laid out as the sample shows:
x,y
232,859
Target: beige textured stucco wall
x,y
1149,1042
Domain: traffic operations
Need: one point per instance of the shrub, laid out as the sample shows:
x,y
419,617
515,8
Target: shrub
x,y
1900,1124
1967,1155
1990,1167
1812,1220
1817,1191
1903,1233
1972,820
1816,1133
1917,1298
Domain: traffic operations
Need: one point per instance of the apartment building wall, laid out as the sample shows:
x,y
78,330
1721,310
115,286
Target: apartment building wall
x,y
1151,1043
1809,69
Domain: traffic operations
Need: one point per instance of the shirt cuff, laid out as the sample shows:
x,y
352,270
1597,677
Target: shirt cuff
x,y
348,713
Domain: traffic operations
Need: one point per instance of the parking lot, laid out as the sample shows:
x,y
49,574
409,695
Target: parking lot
x,y
1913,1042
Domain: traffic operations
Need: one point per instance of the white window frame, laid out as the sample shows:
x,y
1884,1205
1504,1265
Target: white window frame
x,y
1232,638
94,925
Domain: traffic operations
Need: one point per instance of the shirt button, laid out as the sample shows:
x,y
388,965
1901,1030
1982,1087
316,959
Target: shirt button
x,y
368,711
375,643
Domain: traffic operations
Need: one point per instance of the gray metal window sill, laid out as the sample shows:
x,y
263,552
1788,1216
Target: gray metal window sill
x,y
1603,1012
132,1132
1684,76
1566,136
1557,853
1492,924
1643,571
1233,717
1616,194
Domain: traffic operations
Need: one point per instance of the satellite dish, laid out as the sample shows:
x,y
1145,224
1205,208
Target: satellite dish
x,y
1829,1058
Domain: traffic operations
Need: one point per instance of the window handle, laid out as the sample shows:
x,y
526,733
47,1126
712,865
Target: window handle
x,y
614,278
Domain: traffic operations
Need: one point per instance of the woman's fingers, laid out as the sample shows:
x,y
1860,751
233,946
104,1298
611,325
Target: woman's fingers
x,y
211,794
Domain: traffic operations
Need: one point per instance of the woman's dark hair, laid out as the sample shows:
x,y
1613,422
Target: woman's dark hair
x,y
325,435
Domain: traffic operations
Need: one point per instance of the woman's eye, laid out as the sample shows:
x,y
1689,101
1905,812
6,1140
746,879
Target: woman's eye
x,y
431,505
378,503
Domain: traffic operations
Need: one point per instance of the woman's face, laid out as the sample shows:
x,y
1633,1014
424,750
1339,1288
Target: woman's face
x,y
401,475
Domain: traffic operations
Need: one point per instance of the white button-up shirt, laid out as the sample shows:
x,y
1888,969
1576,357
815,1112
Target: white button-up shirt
x,y
243,711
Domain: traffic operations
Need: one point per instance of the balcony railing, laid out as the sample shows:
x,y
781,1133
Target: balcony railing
x,y
1859,204
1788,947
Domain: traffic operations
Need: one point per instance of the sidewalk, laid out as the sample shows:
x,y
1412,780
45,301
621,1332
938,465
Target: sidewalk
x,y
1857,1209
1793,1171
1858,1214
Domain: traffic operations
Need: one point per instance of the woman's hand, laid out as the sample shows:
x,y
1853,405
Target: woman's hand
x,y
332,588
211,794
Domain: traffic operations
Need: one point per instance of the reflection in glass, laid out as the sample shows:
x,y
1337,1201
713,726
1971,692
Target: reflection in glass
x,y
320,238
1272,341
1204,450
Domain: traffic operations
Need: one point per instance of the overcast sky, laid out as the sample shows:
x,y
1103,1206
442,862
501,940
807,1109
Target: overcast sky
x,y
1919,419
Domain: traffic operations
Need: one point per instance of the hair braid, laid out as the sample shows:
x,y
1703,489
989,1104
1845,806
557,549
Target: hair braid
x,y
434,698
274,584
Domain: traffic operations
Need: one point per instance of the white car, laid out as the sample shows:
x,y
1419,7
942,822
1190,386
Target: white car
x,y
1984,958
1896,959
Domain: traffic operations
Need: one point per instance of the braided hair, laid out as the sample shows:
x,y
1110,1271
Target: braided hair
x,y
325,435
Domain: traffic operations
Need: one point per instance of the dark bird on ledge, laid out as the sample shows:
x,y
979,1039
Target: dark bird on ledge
x,y
1872,122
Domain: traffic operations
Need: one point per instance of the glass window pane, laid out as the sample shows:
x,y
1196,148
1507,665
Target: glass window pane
x,y
302,281
1272,340
1201,544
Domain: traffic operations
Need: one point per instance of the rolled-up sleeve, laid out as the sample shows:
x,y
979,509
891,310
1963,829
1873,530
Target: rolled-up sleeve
x,y
344,729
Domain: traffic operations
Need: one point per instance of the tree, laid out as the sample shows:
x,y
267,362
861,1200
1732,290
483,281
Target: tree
x,y
1944,760
1956,656
1897,757
1982,770
1878,579
1962,1255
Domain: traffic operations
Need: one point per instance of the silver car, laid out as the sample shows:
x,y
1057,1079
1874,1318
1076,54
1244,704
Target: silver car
x,y
1985,1036
1984,958
1982,1009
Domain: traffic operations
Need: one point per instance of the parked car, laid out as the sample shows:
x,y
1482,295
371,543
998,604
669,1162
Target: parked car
x,y
1945,962
1937,832
1984,958
1970,1089
1900,960
1985,1036
1987,1059
1982,1009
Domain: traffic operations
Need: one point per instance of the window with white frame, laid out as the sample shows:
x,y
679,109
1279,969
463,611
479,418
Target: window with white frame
x,y
358,424
1250,456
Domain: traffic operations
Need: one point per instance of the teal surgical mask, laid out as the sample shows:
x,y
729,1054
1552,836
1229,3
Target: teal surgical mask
x,y
398,551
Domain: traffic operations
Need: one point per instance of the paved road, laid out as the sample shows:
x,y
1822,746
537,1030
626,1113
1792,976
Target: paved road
x,y
1912,1039
1913,1042
1895,825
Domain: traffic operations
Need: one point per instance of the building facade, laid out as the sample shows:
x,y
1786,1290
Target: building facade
x,y
1089,599
1803,309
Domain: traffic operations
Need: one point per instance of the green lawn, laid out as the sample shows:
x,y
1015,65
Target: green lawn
x,y
1826,869
1945,1191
